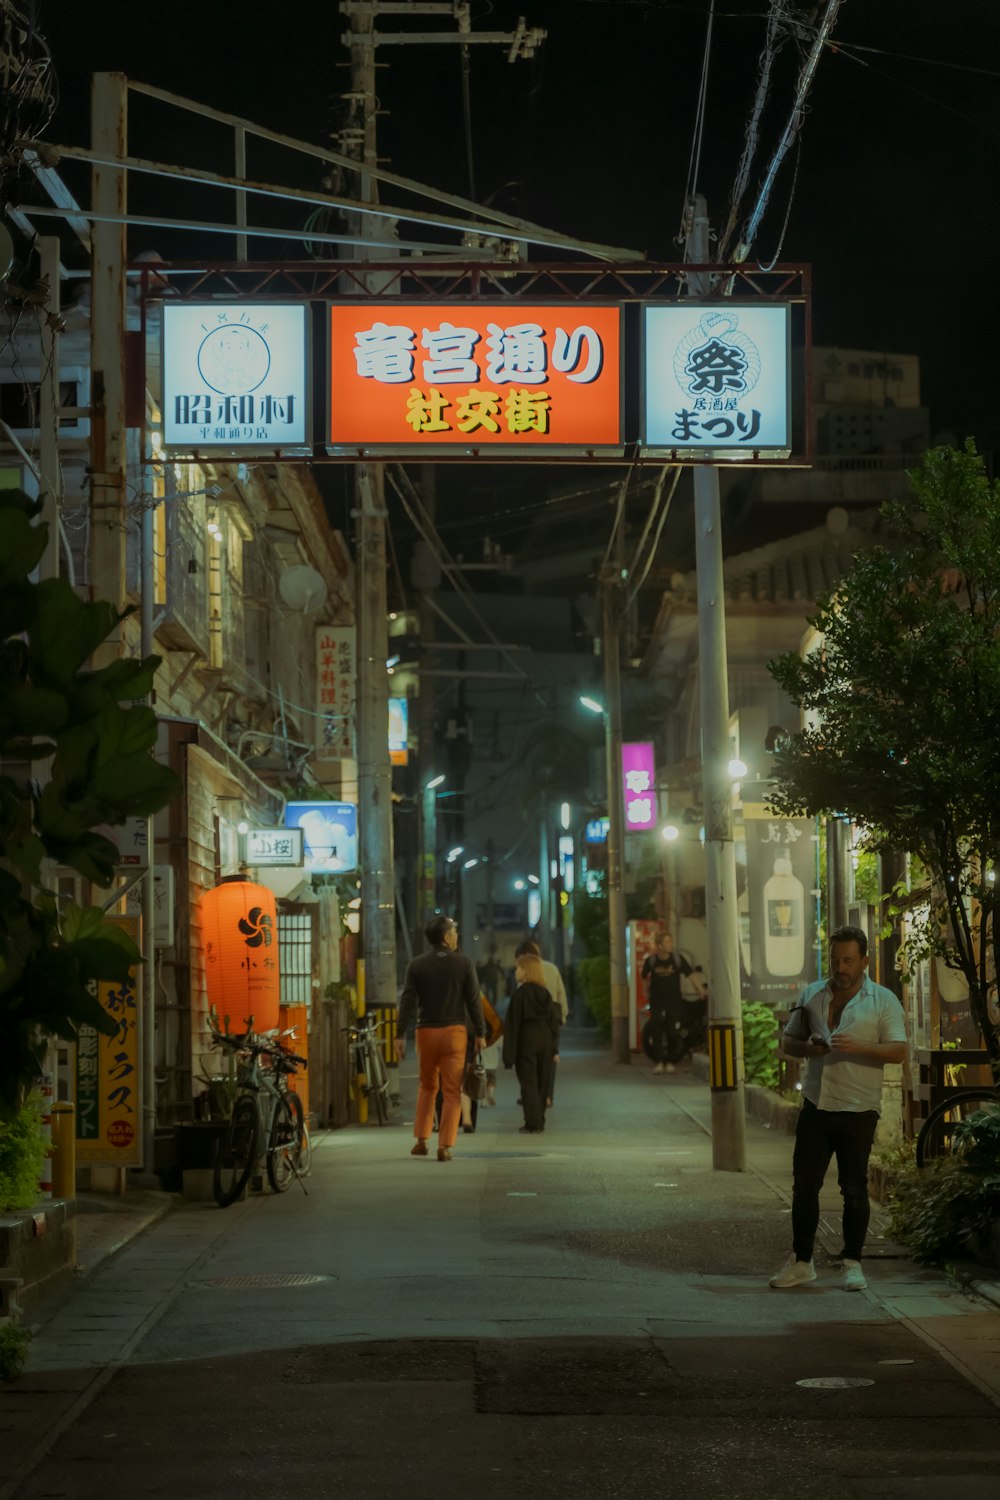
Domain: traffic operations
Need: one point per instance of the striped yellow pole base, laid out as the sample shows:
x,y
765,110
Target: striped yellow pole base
x,y
722,1056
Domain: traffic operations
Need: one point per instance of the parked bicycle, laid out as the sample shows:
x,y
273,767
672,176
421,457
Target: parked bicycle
x,y
937,1131
368,1069
266,1116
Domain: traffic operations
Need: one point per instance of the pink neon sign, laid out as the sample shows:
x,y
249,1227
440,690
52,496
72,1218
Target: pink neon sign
x,y
639,786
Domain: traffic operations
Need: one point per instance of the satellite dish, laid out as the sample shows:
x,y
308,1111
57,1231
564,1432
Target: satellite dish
x,y
302,588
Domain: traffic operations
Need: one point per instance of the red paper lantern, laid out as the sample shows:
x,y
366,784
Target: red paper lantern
x,y
239,933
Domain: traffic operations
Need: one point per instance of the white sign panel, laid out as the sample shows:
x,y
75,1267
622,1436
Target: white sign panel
x,y
716,379
274,846
235,376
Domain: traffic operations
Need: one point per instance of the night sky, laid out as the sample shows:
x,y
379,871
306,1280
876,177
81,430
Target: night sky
x,y
894,200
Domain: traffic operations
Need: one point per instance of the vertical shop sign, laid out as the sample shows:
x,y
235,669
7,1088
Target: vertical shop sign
x,y
639,786
335,677
108,1096
780,904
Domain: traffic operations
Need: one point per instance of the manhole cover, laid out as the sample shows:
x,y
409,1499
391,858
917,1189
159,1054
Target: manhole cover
x,y
252,1282
833,1382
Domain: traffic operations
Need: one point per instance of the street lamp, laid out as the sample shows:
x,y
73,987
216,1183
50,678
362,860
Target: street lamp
x,y
737,768
669,832
592,704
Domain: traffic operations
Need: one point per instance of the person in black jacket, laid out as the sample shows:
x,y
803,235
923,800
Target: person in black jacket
x,y
441,993
531,1030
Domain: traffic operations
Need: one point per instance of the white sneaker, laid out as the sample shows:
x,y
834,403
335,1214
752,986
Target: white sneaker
x,y
794,1273
854,1277
670,1068
658,1068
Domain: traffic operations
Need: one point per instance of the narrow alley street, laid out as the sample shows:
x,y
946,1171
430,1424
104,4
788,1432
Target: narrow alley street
x,y
586,1315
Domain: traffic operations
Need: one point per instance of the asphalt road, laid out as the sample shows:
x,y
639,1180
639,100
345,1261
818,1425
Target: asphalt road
x,y
584,1313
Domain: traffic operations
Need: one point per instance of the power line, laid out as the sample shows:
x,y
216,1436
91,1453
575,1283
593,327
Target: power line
x,y
773,42
694,161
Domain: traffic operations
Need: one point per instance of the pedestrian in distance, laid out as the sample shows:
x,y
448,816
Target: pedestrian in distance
x,y
441,996
663,971
553,982
531,1038
847,1028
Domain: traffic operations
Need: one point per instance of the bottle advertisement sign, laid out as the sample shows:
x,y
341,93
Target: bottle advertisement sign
x,y
235,377
717,380
330,832
474,376
778,905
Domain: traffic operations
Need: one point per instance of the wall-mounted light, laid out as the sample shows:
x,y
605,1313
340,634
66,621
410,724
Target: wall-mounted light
x,y
565,813
243,827
469,863
669,832
520,885
737,768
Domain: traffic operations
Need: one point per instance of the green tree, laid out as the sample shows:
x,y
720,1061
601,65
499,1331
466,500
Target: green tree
x,y
903,698
96,742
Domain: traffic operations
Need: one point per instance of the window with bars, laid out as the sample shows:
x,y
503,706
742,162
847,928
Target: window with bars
x,y
295,948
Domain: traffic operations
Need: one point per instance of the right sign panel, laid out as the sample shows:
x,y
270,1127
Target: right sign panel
x,y
716,380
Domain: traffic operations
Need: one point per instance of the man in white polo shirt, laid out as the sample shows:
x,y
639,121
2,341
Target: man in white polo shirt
x,y
848,1028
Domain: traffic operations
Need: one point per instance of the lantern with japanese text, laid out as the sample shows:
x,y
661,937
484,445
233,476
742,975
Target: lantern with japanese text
x,y
239,934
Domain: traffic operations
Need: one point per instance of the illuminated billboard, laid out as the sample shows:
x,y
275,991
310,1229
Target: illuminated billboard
x,y
474,377
235,377
716,380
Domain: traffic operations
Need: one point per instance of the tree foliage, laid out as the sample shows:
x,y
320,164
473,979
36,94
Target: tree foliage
x,y
75,754
902,696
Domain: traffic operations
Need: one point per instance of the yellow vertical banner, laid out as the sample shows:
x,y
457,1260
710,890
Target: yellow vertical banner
x,y
108,1076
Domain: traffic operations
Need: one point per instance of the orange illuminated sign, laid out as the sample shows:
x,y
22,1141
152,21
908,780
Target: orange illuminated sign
x,y
475,376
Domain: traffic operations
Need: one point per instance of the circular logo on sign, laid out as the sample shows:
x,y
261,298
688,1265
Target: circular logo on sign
x,y
234,359
121,1133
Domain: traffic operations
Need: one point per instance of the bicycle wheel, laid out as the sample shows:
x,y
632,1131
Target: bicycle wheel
x,y
935,1135
302,1153
237,1153
377,1083
283,1146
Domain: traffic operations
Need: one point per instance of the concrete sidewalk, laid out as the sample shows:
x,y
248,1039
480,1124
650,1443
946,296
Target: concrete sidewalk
x,y
586,1311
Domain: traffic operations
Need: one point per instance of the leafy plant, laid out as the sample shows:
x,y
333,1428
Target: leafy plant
x,y
14,1341
22,1154
937,1210
595,977
760,1044
97,742
903,701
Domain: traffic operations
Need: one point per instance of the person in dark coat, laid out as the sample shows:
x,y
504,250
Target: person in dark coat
x,y
530,1038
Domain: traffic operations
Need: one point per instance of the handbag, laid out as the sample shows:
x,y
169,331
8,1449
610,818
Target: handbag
x,y
474,1082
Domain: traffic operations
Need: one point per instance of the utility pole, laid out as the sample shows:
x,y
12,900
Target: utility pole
x,y
375,844
621,1052
374,769
49,252
725,1024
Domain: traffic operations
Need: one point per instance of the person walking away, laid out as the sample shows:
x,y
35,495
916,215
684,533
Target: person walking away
x,y
662,972
530,1039
553,981
441,996
491,1052
847,1028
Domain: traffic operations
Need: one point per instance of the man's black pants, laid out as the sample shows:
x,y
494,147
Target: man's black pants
x,y
819,1135
667,1038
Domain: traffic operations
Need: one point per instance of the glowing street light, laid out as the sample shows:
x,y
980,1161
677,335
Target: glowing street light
x,y
432,784
669,832
592,704
520,885
737,768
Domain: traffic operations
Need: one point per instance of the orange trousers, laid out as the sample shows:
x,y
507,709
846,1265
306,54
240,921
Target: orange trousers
x,y
441,1054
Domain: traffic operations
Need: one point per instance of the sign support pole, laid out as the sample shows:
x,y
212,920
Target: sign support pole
x,y
725,1022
